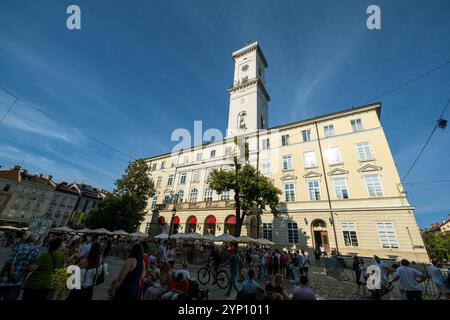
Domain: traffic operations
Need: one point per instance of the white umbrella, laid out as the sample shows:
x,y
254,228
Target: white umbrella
x,y
120,233
85,230
162,236
246,239
101,231
192,236
265,242
226,238
63,229
138,234
176,236
9,228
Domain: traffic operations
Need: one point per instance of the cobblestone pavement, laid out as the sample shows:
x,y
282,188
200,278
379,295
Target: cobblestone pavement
x,y
327,288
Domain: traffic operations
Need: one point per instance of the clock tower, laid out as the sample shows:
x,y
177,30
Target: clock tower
x,y
248,96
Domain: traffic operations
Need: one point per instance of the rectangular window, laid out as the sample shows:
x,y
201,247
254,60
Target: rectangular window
x,y
310,159
154,166
158,182
364,151
166,199
373,185
155,198
225,195
334,156
287,162
213,154
174,162
186,159
314,190
292,232
340,187
387,236
183,178
349,234
289,192
329,130
228,152
306,135
285,140
356,125
196,176
267,231
163,165
208,195
199,157
170,180
265,144
266,169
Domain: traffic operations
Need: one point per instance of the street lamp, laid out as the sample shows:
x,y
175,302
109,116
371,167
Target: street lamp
x,y
174,212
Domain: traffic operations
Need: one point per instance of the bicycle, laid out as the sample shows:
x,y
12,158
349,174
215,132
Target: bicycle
x,y
222,279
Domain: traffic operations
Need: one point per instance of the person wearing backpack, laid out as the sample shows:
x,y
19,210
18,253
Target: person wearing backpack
x,y
39,284
92,273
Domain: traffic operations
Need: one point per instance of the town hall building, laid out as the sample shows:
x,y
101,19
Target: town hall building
x,y
340,185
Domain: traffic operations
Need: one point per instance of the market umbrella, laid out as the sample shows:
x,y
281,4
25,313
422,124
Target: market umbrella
x,y
138,234
246,239
84,230
62,229
162,236
210,237
101,231
265,242
226,238
120,233
193,236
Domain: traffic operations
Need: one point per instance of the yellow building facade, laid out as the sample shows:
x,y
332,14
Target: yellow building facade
x,y
340,186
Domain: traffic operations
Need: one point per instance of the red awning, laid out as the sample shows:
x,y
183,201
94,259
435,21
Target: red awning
x,y
176,220
192,220
231,220
211,220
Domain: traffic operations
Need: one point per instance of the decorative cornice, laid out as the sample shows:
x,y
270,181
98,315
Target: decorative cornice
x,y
288,177
250,83
337,171
312,174
370,168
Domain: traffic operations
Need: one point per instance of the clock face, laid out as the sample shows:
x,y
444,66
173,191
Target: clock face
x,y
245,68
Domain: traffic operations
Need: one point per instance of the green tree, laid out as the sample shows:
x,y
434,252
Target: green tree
x,y
124,207
437,245
253,192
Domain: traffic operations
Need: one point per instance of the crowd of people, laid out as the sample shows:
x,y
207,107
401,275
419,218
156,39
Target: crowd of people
x,y
149,271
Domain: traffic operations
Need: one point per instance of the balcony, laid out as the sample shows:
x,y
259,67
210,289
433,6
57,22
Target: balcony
x,y
198,205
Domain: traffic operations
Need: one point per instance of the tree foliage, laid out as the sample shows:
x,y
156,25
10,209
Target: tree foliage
x,y
253,192
124,207
437,245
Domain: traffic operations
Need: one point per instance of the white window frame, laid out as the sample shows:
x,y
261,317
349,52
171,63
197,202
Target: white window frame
x,y
183,177
266,167
355,125
267,230
199,156
364,146
346,188
191,195
314,188
328,130
311,164
287,159
330,152
384,223
265,144
158,182
213,154
154,201
285,140
208,195
379,182
306,135
163,165
349,227
170,180
196,176
291,197
225,195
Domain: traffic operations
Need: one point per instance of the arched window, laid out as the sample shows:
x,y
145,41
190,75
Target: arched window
x,y
208,194
193,195
210,225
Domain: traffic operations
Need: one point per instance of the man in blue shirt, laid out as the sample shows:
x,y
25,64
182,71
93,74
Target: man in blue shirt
x,y
249,286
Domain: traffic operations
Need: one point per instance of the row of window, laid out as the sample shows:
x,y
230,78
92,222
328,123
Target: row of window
x,y
192,197
385,230
373,186
285,140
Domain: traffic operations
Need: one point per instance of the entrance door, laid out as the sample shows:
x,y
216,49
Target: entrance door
x,y
321,235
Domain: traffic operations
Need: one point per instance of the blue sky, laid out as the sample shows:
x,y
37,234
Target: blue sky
x,y
140,69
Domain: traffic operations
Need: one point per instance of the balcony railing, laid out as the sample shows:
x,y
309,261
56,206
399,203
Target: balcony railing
x,y
198,205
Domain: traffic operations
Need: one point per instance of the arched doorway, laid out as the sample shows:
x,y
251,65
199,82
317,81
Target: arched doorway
x,y
176,225
230,225
191,224
320,235
210,225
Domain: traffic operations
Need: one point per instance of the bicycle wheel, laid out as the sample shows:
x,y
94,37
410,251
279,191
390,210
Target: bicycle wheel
x,y
203,275
222,279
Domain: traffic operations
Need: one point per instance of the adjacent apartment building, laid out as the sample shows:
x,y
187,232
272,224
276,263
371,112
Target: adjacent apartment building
x,y
341,188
